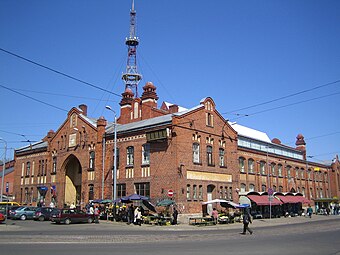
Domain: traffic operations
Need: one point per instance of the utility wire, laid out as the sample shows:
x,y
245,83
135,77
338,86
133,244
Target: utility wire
x,y
58,72
61,95
37,100
284,97
283,106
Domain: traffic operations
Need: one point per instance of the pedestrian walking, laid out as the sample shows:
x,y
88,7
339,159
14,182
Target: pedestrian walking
x,y
246,220
309,211
138,216
96,214
174,216
130,214
214,215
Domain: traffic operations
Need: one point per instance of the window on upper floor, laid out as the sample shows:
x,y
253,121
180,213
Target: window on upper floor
x,y
263,168
196,152
241,164
146,154
28,168
121,190
92,160
221,157
272,166
209,155
54,165
250,166
288,170
129,155
210,119
279,170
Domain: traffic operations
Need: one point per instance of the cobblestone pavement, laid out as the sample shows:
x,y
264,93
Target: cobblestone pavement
x,y
116,232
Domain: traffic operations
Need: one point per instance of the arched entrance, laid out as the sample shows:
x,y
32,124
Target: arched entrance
x,y
73,174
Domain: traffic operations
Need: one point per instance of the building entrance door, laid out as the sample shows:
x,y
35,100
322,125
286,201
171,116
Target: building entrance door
x,y
210,189
73,174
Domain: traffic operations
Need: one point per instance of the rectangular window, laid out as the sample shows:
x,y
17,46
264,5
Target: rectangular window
x,y
262,168
188,192
91,192
194,195
250,166
241,164
28,168
221,156
279,169
146,154
196,153
54,165
121,190
129,156
200,192
143,189
209,156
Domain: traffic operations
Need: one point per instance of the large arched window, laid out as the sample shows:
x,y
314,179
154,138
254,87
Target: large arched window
x,y
272,166
279,170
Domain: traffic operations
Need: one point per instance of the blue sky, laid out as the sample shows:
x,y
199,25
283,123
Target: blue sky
x,y
240,53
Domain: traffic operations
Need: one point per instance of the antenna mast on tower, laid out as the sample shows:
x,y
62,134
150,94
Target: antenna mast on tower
x,y
131,77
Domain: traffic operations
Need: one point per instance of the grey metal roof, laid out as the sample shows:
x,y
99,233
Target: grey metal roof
x,y
33,146
153,122
148,123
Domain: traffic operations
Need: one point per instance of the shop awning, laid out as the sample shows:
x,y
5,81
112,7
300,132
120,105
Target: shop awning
x,y
293,199
264,200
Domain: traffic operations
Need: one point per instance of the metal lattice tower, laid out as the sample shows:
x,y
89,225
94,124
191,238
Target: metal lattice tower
x,y
131,76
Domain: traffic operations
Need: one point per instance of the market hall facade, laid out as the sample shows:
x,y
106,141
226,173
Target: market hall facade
x,y
194,152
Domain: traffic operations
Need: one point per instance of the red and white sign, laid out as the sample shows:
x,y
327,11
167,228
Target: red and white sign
x,y
170,193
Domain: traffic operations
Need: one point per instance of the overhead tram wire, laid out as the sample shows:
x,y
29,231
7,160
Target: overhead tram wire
x,y
283,106
58,72
34,99
284,97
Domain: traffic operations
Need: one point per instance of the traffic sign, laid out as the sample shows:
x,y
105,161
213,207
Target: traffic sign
x,y
170,193
270,191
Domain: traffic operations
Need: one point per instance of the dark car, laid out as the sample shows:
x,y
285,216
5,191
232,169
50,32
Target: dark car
x,y
23,212
43,213
68,216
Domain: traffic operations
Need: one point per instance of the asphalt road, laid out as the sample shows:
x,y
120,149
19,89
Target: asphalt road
x,y
298,236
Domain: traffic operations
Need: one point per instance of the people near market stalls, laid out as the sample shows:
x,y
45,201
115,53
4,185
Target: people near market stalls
x,y
96,214
130,214
138,216
174,216
214,215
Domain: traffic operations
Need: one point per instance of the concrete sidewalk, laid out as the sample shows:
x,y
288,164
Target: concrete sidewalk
x,y
257,223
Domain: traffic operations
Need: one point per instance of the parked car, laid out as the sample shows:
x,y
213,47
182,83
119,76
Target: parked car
x,y
68,216
2,218
43,213
23,212
11,209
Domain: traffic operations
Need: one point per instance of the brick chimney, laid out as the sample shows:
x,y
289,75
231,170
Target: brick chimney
x,y
83,108
301,145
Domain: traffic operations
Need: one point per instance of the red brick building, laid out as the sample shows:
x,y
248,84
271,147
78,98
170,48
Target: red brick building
x,y
195,153
8,179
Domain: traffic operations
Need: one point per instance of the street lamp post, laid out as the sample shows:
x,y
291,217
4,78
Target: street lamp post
x,y
114,171
3,170
270,190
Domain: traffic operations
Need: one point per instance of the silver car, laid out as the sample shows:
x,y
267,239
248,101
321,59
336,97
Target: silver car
x,y
23,212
